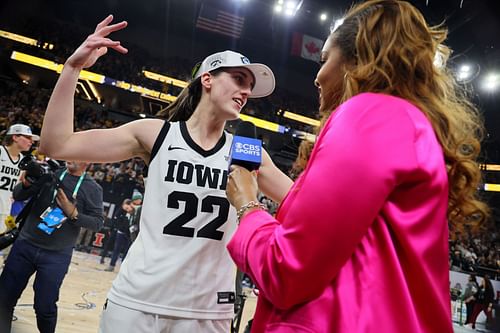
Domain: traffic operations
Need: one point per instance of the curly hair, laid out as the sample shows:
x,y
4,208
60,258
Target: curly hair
x,y
300,163
389,48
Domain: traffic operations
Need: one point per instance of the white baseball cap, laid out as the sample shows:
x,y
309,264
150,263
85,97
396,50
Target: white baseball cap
x,y
264,77
20,129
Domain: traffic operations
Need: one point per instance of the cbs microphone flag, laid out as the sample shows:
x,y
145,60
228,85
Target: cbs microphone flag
x,y
219,21
307,47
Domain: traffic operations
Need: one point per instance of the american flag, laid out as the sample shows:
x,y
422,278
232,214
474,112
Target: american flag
x,y
219,21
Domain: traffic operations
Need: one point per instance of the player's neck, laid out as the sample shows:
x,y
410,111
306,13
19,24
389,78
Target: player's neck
x,y
13,151
204,129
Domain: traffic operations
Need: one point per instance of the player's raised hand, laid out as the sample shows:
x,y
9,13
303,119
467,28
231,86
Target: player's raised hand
x,y
97,44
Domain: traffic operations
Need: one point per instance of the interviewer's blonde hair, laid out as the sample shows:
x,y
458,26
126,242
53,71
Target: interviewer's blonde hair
x,y
389,48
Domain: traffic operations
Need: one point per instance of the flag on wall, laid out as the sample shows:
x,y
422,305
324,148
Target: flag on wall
x,y
306,46
220,21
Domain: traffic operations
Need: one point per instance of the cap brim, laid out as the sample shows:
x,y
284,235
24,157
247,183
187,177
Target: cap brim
x,y
33,136
264,80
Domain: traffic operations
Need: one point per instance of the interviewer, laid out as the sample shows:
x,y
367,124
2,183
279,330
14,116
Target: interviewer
x,y
360,243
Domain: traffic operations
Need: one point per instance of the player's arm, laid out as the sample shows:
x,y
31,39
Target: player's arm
x,y
272,181
58,139
134,139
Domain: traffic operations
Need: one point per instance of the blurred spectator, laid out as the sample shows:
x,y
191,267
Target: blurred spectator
x,y
122,240
136,215
468,297
484,303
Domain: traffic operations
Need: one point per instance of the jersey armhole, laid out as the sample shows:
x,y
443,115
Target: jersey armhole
x,y
159,140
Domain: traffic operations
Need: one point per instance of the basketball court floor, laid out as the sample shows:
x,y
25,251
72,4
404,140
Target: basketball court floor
x,y
83,294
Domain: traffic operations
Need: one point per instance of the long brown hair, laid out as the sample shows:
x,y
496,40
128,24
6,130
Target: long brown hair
x,y
300,163
186,102
8,140
392,50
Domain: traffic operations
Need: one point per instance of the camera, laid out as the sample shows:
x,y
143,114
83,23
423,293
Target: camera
x,y
35,169
8,238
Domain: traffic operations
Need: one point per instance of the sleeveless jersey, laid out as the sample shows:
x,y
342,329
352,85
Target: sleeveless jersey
x,y
9,175
178,265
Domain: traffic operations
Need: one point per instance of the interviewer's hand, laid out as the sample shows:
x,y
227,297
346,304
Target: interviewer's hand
x,y
241,186
96,44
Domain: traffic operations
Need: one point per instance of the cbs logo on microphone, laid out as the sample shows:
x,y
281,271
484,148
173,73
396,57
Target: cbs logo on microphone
x,y
247,149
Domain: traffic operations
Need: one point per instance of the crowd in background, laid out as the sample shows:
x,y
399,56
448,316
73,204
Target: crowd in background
x,y
26,105
121,179
476,253
129,69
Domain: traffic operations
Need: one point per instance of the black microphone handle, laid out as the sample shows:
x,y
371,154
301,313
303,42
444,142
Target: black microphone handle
x,y
246,129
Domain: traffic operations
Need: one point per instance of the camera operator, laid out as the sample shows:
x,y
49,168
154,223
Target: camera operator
x,y
63,202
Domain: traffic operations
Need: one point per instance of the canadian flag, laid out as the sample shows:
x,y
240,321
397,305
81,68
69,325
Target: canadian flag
x,y
306,46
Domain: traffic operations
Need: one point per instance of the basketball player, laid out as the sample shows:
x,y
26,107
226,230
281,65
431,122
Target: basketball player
x,y
19,138
177,276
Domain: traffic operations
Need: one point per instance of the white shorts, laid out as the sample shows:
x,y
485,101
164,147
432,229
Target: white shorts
x,y
116,318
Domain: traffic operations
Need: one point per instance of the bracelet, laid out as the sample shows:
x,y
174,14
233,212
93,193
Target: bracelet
x,y
245,207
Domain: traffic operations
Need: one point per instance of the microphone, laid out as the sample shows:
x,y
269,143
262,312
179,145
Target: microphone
x,y
246,149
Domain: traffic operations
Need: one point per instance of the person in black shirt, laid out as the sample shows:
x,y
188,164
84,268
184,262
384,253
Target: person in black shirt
x,y
122,222
46,250
484,298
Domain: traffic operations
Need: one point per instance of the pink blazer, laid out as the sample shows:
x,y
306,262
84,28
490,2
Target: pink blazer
x,y
360,243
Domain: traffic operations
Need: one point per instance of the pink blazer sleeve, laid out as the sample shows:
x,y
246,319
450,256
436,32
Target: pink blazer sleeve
x,y
364,151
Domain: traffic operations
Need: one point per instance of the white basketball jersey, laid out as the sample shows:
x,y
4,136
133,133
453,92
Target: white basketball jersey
x,y
9,174
179,265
